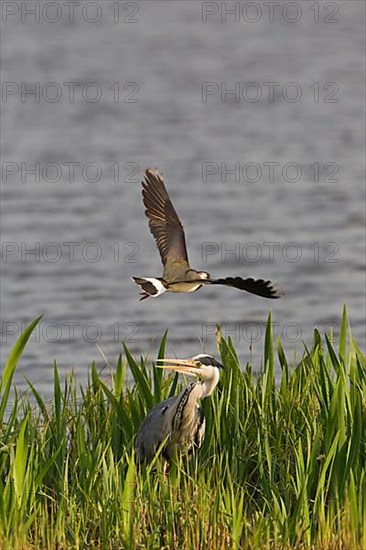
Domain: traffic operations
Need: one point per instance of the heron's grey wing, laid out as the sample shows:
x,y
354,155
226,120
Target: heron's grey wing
x,y
266,289
154,429
164,224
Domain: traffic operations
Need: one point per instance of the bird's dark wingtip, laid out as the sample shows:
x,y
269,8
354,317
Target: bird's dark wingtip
x,y
260,287
152,178
153,173
276,291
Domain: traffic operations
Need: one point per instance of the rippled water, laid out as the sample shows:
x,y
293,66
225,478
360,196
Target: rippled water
x,y
84,289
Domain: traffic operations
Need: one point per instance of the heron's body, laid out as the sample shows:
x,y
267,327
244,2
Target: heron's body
x,y
179,421
168,232
162,422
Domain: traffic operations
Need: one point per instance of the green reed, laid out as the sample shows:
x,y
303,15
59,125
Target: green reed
x,y
282,465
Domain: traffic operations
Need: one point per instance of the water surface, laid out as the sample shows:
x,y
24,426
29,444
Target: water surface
x,y
87,297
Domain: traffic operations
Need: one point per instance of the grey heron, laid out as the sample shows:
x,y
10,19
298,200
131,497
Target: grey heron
x,y
179,421
168,232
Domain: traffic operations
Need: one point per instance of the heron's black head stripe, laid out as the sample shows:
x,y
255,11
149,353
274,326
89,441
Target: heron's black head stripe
x,y
207,360
217,364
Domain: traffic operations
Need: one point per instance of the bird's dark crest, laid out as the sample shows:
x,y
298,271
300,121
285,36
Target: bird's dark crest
x,y
207,360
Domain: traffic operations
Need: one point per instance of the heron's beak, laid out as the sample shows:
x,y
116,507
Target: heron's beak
x,y
184,366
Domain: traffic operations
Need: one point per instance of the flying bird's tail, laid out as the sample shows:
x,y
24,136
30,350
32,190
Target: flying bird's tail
x,y
151,287
266,289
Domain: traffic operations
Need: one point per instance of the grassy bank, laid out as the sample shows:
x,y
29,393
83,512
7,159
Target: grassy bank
x,y
282,466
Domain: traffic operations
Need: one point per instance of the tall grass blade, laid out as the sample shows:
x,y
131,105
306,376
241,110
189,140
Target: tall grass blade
x,y
10,366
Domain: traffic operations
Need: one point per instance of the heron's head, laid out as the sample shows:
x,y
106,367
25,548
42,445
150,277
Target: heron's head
x,y
202,366
203,275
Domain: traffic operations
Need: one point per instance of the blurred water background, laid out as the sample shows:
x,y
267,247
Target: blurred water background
x,y
150,61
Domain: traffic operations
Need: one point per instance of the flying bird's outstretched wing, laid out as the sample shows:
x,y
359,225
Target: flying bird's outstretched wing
x,y
266,289
164,225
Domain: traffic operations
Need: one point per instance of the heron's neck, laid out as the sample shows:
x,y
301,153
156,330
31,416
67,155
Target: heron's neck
x,y
186,409
208,386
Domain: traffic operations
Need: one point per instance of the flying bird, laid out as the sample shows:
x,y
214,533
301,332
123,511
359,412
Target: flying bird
x,y
168,232
178,422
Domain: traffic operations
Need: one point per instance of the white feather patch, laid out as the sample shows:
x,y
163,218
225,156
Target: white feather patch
x,y
158,285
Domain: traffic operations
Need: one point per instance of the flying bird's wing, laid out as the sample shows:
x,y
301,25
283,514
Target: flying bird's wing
x,y
266,289
165,225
